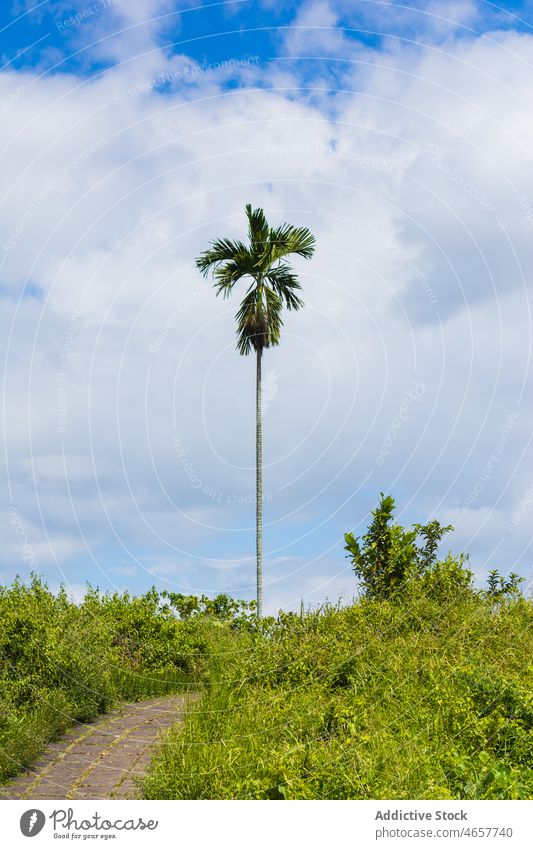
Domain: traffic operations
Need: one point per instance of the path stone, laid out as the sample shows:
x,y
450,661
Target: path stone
x,y
103,759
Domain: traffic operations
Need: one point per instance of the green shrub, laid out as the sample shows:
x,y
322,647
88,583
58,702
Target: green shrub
x,y
390,561
388,558
499,587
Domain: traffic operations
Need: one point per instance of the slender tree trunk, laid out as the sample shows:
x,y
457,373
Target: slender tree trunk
x,y
259,481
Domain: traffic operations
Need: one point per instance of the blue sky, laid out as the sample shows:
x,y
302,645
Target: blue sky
x,y
58,36
206,32
135,132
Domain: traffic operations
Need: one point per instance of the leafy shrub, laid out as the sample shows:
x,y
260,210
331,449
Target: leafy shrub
x,y
390,561
388,557
222,607
499,587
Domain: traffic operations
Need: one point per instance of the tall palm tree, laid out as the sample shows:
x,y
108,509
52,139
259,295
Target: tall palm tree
x,y
272,284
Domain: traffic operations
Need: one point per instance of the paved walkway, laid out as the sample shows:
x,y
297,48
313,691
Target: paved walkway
x,y
102,759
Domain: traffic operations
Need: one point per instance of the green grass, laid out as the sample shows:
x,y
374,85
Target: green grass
x,y
408,699
61,662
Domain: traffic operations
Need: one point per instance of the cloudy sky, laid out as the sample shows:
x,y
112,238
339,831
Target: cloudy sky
x,y
135,131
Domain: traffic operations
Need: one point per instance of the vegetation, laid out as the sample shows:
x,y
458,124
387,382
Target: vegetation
x,y
391,561
272,285
422,689
61,662
380,700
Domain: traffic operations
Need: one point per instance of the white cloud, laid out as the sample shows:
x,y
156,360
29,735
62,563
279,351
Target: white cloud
x,y
121,30
315,28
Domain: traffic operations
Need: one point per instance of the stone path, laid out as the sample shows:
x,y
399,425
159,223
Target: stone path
x,y
101,759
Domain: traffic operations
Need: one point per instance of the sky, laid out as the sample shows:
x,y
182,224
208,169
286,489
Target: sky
x,y
133,133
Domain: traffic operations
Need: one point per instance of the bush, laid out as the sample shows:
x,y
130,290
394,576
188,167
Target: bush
x,y
388,559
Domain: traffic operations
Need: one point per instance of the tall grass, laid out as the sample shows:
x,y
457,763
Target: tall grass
x,y
413,698
61,662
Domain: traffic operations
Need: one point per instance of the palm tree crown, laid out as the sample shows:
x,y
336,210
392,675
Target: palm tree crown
x,y
273,282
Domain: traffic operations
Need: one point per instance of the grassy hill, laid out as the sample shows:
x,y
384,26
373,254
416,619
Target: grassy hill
x,y
422,689
411,698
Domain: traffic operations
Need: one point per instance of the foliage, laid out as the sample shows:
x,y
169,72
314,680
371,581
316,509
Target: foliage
x,y
424,692
61,662
500,587
422,689
222,606
411,697
389,559
272,283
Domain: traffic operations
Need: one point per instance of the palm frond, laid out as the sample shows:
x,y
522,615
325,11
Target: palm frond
x,y
226,275
221,250
274,307
258,320
285,283
258,231
287,240
228,260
